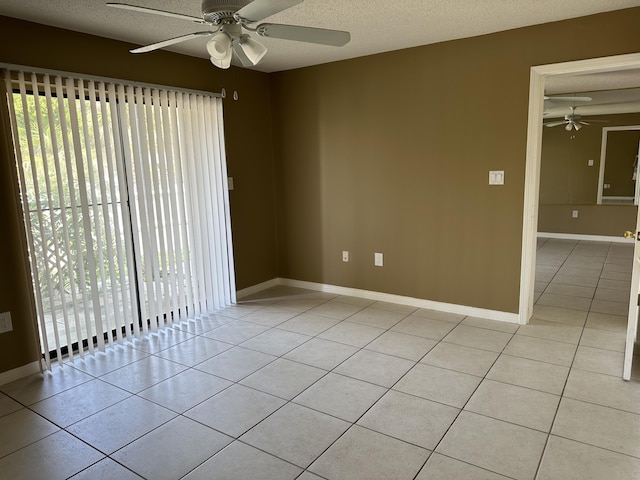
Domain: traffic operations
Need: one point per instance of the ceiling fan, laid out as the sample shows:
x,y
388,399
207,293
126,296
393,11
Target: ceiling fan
x,y
573,121
228,19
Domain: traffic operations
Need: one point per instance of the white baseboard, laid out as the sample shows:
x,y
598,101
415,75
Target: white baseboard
x,y
391,298
591,238
245,292
20,372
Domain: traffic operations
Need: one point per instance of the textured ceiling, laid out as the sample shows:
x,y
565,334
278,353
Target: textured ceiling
x,y
375,25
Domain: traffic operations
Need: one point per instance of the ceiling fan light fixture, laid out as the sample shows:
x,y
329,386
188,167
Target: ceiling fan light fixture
x,y
219,47
253,49
223,63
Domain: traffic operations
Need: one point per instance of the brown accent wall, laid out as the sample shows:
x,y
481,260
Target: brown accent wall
x,y
391,153
608,220
249,155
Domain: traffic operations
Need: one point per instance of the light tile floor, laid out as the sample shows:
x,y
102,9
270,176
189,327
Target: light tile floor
x,y
299,384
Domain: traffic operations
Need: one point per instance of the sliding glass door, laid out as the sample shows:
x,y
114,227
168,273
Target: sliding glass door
x,y
126,207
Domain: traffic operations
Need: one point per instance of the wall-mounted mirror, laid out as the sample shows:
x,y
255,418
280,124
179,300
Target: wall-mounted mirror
x,y
618,182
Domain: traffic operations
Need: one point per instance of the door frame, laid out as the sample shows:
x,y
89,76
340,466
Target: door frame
x,y
538,77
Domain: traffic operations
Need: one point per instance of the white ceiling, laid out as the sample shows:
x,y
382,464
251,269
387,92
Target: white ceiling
x,y
375,25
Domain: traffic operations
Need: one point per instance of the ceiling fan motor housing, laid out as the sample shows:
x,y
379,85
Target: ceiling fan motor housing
x,y
215,11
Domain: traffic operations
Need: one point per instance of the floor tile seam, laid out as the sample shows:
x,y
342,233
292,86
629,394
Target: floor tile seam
x,y
129,395
471,464
511,335
596,446
243,443
304,468
232,383
26,405
555,415
488,328
590,402
391,436
101,460
523,386
547,338
510,422
157,427
28,444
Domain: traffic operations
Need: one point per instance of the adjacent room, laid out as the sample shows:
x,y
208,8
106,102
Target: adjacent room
x,y
305,239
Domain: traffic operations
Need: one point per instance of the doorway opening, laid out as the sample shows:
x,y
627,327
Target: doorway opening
x,y
618,65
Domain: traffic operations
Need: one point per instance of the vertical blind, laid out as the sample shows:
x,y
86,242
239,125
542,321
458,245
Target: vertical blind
x,y
126,207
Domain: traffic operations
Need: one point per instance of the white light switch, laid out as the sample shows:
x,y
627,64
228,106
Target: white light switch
x,y
574,214
590,163
496,177
345,256
378,259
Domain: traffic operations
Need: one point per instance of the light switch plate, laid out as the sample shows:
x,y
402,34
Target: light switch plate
x,y
230,183
496,177
345,256
378,259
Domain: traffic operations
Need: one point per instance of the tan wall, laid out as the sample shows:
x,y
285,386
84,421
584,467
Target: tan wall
x,y
391,153
608,220
251,164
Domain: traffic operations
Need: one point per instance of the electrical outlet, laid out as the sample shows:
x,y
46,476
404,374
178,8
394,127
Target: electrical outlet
x,y
378,259
5,322
345,256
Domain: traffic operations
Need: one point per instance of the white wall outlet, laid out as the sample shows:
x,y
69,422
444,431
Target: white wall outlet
x,y
496,177
590,163
230,183
607,185
5,322
345,256
378,259
574,214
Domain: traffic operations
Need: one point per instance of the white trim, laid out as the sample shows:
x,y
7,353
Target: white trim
x,y
245,292
389,297
590,238
603,158
20,372
532,170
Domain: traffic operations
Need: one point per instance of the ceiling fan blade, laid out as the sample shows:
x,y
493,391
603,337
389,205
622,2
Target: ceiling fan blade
x,y
171,41
569,98
593,120
261,9
554,124
155,11
335,38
